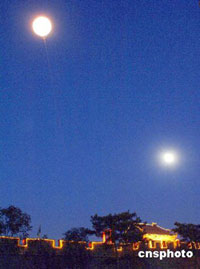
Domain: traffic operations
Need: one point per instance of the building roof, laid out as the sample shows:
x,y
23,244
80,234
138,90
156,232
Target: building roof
x,y
155,229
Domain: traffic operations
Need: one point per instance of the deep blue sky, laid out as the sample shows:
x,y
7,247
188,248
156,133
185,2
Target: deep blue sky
x,y
82,136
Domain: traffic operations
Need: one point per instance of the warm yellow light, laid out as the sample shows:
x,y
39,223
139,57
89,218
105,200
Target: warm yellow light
x,y
92,245
42,26
160,237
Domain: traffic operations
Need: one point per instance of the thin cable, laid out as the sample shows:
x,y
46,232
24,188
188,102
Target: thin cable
x,y
55,97
48,61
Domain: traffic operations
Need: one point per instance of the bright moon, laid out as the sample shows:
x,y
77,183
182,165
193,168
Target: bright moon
x,y
42,26
169,158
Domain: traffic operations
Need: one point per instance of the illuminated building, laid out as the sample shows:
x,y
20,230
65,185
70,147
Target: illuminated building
x,y
154,236
157,236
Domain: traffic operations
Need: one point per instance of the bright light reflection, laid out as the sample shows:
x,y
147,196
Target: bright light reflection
x,y
42,26
169,158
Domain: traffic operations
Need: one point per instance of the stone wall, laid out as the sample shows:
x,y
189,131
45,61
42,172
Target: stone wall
x,y
45,254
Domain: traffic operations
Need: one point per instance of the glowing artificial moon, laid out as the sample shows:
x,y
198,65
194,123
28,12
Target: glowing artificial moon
x,y
42,26
169,158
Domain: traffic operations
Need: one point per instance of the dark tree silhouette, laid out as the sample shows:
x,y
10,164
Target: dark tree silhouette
x,y
123,226
13,222
77,234
189,232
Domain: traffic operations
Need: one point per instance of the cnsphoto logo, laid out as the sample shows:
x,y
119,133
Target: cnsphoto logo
x,y
165,254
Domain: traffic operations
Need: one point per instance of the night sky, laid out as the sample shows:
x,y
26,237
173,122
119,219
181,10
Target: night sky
x,y
81,134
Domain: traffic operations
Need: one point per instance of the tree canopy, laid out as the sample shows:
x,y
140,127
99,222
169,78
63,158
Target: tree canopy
x,y
77,234
189,232
13,222
123,227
